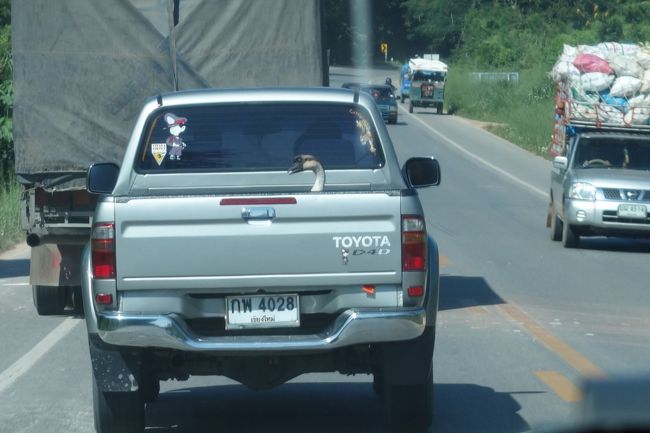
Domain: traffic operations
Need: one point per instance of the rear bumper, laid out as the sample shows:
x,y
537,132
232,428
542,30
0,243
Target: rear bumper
x,y
350,328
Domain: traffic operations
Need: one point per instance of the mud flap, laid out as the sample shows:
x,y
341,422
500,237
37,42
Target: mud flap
x,y
408,362
115,370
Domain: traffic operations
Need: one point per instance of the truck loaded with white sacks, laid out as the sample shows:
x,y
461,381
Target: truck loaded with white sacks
x,y
600,179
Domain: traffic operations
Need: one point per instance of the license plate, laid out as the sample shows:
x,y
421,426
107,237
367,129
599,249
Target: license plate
x,y
262,311
632,211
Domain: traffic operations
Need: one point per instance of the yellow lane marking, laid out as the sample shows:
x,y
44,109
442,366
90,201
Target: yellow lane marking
x,y
572,357
562,386
444,260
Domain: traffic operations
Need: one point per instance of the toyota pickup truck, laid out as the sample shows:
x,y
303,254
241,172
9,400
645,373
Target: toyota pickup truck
x,y
260,234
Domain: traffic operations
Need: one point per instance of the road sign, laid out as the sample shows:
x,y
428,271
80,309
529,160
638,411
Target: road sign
x,y
384,47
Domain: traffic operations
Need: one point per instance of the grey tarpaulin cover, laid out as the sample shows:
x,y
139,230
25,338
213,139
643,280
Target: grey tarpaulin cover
x,y
83,68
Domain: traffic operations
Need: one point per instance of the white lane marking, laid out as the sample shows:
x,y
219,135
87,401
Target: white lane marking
x,y
27,361
15,284
478,158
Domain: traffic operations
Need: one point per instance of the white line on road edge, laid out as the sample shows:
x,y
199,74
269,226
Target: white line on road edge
x,y
478,158
15,284
27,361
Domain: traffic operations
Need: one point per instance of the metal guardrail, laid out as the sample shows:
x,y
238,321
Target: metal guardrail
x,y
511,77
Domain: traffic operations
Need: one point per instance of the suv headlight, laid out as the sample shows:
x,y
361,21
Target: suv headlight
x,y
583,191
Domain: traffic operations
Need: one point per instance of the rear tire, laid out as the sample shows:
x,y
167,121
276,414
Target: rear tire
x,y
49,300
569,237
439,109
411,107
118,412
410,407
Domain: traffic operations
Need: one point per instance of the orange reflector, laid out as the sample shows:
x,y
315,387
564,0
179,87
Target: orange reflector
x,y
369,289
415,291
104,299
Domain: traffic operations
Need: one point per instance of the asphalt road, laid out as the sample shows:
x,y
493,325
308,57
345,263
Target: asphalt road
x,y
522,320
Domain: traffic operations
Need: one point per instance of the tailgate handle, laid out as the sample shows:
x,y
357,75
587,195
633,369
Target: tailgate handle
x,y
258,213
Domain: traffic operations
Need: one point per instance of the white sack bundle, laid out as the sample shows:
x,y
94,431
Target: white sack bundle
x,y
609,114
564,70
639,101
612,49
568,54
643,58
590,49
625,86
637,116
645,83
596,81
626,66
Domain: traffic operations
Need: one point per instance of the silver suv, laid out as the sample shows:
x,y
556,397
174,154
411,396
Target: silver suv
x,y
601,187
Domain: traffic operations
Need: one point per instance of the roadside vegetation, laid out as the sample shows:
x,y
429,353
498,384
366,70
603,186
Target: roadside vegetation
x,y
524,36
9,188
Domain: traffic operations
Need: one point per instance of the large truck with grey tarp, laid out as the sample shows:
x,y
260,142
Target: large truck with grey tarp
x,y
82,70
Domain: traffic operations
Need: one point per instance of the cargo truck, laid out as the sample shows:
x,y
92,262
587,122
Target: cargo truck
x,y
82,71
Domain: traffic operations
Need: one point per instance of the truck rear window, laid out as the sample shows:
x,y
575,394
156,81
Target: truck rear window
x,y
258,137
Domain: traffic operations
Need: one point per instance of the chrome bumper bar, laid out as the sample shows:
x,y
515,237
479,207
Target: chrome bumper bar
x,y
351,327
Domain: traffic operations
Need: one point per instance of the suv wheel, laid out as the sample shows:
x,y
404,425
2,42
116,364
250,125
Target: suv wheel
x,y
569,237
117,412
555,224
410,407
49,300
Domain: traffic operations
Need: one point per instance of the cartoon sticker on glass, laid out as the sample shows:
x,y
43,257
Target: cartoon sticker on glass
x,y
159,151
176,144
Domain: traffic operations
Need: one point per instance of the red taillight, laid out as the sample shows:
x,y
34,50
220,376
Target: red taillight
x,y
415,291
414,243
103,250
104,299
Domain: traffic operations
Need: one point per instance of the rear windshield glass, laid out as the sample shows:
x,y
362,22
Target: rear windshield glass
x,y
601,152
258,137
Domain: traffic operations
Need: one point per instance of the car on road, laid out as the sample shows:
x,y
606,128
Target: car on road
x,y
601,187
260,234
384,96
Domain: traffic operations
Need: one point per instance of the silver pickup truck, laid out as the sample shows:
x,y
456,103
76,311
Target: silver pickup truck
x,y
259,235
601,187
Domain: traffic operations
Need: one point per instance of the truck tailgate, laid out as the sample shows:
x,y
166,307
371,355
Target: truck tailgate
x,y
202,243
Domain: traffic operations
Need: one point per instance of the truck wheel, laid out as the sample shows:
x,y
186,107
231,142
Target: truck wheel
x,y
569,237
401,100
117,412
411,107
556,225
49,300
439,109
149,388
410,407
77,301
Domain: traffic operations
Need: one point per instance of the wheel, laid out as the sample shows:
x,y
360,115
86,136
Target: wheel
x,y
117,412
77,301
378,383
49,300
555,224
411,107
401,100
439,109
569,238
410,407
149,388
